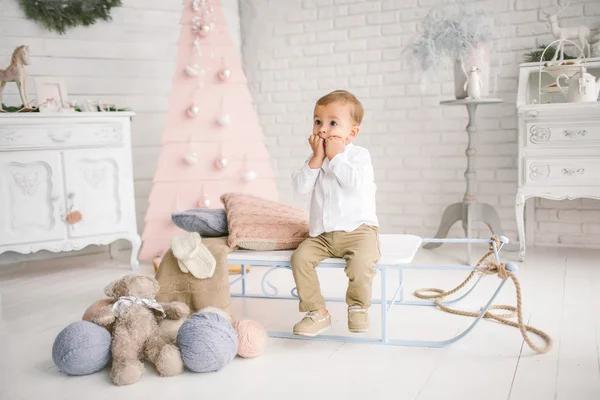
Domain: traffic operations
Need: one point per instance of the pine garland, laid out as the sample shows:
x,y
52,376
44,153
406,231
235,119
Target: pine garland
x,y
15,109
536,55
60,15
22,109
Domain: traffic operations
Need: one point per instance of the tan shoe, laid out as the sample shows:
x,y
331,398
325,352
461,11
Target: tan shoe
x,y
358,319
313,324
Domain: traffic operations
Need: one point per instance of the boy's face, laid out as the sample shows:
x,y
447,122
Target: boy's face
x,y
335,119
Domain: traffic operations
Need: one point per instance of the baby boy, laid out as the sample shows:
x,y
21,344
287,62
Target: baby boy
x,y
343,223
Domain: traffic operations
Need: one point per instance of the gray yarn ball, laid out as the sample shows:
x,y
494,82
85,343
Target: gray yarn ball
x,y
207,342
82,348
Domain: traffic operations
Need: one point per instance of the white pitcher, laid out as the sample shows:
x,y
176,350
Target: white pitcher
x,y
583,87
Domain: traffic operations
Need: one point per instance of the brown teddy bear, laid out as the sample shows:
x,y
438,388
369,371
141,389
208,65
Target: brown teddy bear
x,y
169,326
134,317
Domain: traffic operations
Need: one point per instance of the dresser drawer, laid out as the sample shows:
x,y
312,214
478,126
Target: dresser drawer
x,y
562,134
61,135
562,171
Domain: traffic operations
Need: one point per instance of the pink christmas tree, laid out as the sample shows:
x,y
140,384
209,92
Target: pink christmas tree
x,y
212,141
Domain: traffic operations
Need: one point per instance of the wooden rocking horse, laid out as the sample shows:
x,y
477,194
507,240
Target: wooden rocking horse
x,y
16,73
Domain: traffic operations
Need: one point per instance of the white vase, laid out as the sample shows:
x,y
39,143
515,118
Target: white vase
x,y
480,58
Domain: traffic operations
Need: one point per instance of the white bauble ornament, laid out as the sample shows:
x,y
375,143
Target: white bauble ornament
x,y
221,163
191,158
193,110
224,120
204,30
224,74
249,176
192,70
204,203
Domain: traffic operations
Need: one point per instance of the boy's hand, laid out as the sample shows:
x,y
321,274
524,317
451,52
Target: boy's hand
x,y
318,147
334,146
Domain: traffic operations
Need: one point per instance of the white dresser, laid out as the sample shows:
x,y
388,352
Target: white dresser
x,y
54,164
559,146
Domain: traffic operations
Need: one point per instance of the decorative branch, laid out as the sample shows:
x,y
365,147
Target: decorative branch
x,y
449,33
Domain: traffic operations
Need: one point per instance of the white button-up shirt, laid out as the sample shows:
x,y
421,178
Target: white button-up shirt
x,y
343,191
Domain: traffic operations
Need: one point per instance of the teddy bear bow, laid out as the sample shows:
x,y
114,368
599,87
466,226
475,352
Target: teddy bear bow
x,y
125,302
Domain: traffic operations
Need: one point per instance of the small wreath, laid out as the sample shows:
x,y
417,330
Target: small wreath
x,y
59,15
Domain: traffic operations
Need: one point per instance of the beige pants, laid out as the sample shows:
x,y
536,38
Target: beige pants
x,y
360,249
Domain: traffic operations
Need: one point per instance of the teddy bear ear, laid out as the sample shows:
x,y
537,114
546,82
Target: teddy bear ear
x,y
111,288
158,314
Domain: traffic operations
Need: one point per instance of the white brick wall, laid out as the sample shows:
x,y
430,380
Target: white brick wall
x,y
295,51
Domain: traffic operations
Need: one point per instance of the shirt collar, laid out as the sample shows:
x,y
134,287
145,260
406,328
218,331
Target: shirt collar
x,y
347,148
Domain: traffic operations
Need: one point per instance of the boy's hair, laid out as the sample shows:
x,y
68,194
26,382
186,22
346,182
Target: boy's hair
x,y
344,97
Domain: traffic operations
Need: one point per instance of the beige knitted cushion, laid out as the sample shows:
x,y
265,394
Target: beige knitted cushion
x,y
259,224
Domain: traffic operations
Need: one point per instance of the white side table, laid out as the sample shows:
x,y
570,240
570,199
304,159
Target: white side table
x,y
469,209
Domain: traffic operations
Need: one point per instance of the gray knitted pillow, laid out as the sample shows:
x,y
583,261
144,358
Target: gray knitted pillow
x,y
207,222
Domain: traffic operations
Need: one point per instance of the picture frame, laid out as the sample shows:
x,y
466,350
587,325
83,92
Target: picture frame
x,y
51,94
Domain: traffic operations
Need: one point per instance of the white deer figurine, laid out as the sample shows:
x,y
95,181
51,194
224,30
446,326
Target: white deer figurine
x,y
16,73
580,32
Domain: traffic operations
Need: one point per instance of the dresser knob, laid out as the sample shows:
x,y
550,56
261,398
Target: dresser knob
x,y
73,217
532,113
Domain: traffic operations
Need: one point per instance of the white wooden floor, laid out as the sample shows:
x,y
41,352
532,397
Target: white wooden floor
x,y
561,296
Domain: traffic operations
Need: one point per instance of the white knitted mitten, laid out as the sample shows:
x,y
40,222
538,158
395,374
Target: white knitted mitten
x,y
193,256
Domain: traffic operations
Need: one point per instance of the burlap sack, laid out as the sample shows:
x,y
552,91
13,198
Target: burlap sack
x,y
176,285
